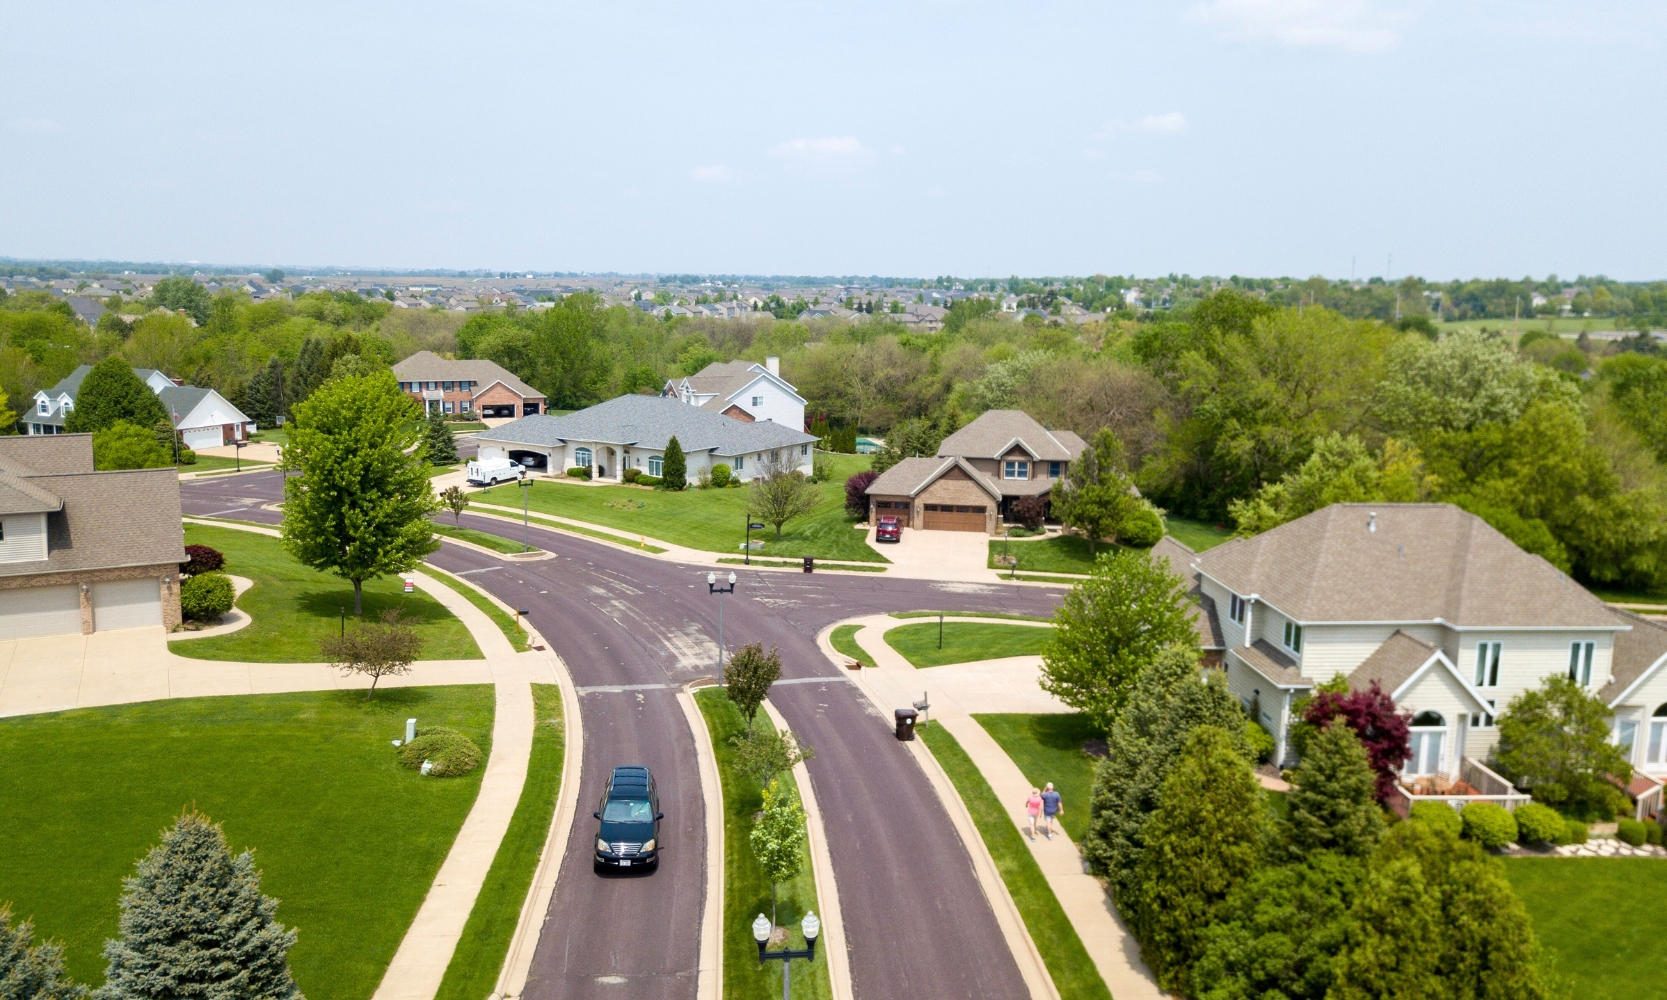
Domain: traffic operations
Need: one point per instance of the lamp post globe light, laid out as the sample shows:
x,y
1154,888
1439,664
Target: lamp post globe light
x,y
761,933
713,588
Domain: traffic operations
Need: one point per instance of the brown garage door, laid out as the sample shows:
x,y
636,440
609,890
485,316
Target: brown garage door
x,y
893,508
943,517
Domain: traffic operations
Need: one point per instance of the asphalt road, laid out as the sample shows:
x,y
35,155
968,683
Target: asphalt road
x,y
917,922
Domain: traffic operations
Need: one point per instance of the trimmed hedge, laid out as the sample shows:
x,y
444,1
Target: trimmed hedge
x,y
1631,831
201,559
1439,815
449,751
1260,740
1489,824
579,472
648,480
720,475
631,475
1540,824
1574,832
206,596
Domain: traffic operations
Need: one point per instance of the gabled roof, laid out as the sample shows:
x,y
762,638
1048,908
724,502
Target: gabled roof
x,y
994,433
724,380
1638,654
1388,562
1205,619
911,475
1393,663
649,422
426,366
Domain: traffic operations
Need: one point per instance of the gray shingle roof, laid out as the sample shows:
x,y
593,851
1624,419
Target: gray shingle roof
x,y
649,422
994,430
1392,663
1205,620
426,366
1635,652
1422,563
44,455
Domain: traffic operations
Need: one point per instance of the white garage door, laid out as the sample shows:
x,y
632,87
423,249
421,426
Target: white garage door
x,y
205,437
127,604
37,611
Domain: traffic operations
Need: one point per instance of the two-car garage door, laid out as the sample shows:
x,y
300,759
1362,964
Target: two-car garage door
x,y
32,612
949,517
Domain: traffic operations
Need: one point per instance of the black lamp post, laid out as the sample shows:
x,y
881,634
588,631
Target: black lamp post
x,y
713,588
761,933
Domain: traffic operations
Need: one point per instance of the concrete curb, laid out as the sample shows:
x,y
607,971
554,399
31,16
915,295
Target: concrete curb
x,y
709,982
821,866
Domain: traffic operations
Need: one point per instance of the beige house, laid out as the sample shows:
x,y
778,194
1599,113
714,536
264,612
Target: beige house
x,y
84,551
483,388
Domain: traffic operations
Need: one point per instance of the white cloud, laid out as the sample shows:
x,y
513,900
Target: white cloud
x,y
1353,25
717,173
33,124
829,148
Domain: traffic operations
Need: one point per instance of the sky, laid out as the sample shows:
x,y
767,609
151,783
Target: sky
x,y
1204,137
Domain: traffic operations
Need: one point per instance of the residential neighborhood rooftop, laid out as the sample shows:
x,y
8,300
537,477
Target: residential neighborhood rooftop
x,y
649,422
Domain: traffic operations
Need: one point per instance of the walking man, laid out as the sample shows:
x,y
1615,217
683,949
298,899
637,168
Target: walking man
x,y
1051,807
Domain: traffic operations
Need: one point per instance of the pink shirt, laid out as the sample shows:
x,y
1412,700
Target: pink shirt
x,y
1033,805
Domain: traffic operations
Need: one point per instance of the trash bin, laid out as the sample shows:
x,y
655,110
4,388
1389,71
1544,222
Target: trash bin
x,y
905,723
810,564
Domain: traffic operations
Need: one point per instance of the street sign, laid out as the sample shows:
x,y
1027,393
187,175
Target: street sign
x,y
756,526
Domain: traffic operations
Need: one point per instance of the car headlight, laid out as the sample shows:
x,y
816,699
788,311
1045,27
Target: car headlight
x,y
648,846
602,845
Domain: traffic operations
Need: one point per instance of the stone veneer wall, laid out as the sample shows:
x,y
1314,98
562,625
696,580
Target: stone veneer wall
x,y
166,574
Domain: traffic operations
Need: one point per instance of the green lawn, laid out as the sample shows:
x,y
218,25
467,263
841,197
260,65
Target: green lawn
x,y
497,543
746,893
474,968
710,520
970,614
560,526
516,635
1601,919
273,435
963,641
844,639
214,463
1067,960
466,426
349,840
293,607
1046,748
1059,554
1629,596
1197,535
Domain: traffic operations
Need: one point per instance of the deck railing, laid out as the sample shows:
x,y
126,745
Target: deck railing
x,y
1484,786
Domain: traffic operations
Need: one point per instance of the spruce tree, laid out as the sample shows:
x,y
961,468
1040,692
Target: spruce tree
x,y
674,469
112,392
442,447
194,924
30,971
1333,797
1395,939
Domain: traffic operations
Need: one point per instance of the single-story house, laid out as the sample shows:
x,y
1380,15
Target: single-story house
x,y
84,551
631,432
743,390
203,417
977,474
484,388
1448,616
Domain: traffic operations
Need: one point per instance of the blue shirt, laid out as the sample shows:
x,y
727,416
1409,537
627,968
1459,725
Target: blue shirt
x,y
1050,803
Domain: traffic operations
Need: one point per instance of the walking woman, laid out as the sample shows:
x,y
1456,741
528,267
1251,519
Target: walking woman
x,y
1033,806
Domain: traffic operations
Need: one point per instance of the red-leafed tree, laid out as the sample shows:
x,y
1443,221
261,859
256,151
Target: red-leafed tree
x,y
856,496
1380,728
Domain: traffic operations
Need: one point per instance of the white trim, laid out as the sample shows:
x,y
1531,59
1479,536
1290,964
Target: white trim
x,y
1002,453
1440,657
1643,676
777,379
497,381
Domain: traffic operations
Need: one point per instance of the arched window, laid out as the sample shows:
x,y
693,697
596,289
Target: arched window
x,y
581,457
1655,751
1429,719
1426,746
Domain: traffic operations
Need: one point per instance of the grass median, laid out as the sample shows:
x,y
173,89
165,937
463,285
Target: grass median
x,y
965,641
970,614
497,543
347,840
1073,972
516,635
844,640
475,966
746,893
577,529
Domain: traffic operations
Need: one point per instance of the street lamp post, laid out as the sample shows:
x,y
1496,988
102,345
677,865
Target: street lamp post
x,y
713,588
526,488
761,933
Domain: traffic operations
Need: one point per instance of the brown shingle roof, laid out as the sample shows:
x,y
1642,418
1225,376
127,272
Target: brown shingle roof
x,y
1205,620
908,477
1392,663
1635,652
990,435
109,520
426,366
1271,662
1422,563
46,453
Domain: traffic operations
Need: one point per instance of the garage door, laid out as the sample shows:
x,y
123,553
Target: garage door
x,y
893,508
37,611
943,517
203,437
126,604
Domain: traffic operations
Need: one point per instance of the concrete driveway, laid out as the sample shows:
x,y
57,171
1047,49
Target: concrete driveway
x,y
959,556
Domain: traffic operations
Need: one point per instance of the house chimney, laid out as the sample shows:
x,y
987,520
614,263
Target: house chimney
x,y
1372,521
773,363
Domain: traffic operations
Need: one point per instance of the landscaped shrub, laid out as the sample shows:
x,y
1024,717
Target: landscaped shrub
x,y
1631,831
187,457
1574,832
1653,833
207,596
579,472
1143,528
1260,740
1029,512
1488,824
1439,815
720,475
648,480
631,475
201,559
449,752
856,493
1537,824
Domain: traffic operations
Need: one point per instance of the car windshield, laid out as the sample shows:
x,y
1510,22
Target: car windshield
x,y
626,811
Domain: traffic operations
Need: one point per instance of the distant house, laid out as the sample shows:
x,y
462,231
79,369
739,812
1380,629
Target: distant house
x,y
631,432
467,386
84,551
203,417
744,390
87,310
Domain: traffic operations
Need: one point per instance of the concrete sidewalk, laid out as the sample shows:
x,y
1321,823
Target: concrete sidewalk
x,y
954,699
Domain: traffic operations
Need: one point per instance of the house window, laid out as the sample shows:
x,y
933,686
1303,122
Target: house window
x,y
581,457
1236,608
1428,732
1293,637
1580,662
446,386
1015,470
43,407
1487,664
447,406
434,385
1626,734
1054,469
804,449
1656,749
740,462
655,465
758,401
464,406
1482,720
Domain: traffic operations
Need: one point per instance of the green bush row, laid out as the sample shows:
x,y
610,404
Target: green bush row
x,y
1492,825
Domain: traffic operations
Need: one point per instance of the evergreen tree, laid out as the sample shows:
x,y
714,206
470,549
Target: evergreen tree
x,y
1278,934
112,392
674,469
1394,944
30,971
1167,703
195,924
442,447
1333,801
1202,843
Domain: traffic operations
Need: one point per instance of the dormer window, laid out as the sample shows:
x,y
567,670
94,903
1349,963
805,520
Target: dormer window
x,y
1236,607
1293,637
43,407
1015,469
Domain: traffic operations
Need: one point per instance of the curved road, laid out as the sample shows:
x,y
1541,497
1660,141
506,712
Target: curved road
x,y
631,630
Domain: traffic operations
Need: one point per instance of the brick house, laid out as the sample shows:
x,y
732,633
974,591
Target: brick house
x,y
473,386
80,550
935,494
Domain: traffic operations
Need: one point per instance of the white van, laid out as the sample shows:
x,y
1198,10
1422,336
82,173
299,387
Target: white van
x,y
492,471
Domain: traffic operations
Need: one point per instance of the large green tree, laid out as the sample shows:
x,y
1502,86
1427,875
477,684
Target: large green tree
x,y
1459,383
1394,947
572,362
1340,470
111,391
1097,495
1110,628
360,507
1554,740
1333,800
180,293
124,446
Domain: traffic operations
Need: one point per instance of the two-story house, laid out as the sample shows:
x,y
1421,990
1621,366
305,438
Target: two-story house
x,y
202,417
1444,613
472,385
743,390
